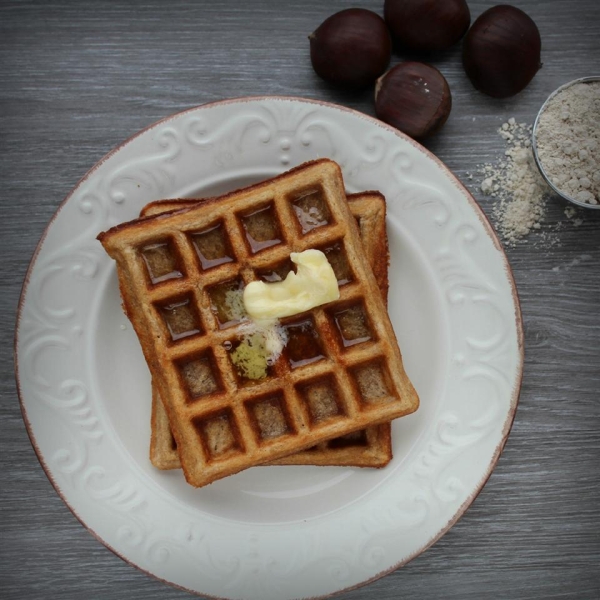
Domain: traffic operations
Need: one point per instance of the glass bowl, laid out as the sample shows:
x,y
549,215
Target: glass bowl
x,y
540,166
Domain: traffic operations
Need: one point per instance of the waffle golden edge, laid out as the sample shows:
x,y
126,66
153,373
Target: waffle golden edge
x,y
221,427
371,447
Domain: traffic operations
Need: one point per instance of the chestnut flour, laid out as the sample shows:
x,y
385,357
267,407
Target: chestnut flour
x,y
517,185
568,141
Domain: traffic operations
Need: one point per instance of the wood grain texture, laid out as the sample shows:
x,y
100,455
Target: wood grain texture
x,y
77,78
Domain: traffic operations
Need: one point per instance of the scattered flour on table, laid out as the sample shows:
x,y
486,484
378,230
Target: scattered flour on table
x,y
573,263
520,192
572,213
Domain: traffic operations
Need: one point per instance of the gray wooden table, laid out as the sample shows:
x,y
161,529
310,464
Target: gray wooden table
x,y
77,78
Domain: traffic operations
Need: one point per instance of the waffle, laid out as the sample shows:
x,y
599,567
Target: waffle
x,y
221,423
371,447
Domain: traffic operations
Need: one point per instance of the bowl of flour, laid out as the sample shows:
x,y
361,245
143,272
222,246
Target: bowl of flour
x,y
566,141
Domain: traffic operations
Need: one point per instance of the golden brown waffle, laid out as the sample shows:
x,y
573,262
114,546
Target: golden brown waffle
x,y
221,423
371,447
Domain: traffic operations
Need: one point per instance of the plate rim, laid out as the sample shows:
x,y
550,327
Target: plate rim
x,y
488,228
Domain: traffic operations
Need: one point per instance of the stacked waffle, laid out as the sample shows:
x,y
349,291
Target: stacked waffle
x,y
330,396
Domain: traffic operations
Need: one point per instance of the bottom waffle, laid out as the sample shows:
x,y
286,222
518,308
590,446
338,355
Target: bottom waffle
x,y
370,447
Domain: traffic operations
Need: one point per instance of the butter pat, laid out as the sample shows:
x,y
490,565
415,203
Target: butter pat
x,y
314,284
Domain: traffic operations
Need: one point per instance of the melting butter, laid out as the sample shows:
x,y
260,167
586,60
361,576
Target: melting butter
x,y
314,284
262,338
260,347
251,357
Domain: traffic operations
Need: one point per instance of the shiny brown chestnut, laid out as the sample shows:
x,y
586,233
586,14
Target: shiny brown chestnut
x,y
501,51
413,97
351,48
427,25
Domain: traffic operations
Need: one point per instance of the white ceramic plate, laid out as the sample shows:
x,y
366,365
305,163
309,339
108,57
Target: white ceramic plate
x,y
271,532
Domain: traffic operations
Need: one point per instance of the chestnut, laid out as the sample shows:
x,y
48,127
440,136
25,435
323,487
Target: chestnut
x,y
351,48
427,25
413,97
501,51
